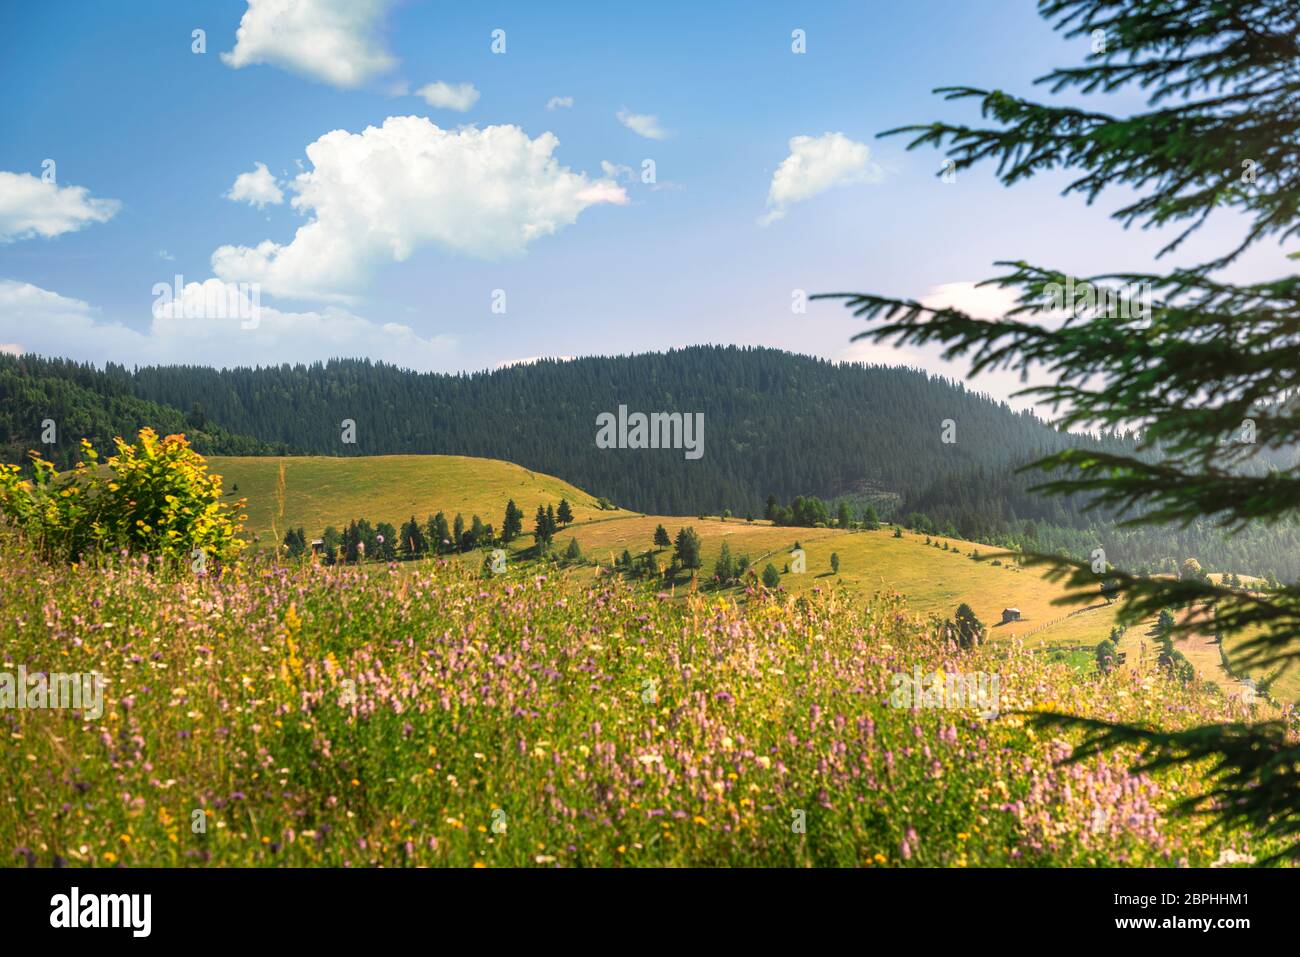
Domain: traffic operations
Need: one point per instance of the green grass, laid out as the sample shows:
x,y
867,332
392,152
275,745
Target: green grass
x,y
1281,685
934,581
373,716
324,490
937,581
420,715
1081,660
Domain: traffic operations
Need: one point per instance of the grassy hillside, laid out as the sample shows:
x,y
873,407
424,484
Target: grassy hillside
x,y
1281,685
296,717
934,580
561,715
324,490
319,491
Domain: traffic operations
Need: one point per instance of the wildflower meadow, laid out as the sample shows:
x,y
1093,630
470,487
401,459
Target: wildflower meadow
x,y
294,714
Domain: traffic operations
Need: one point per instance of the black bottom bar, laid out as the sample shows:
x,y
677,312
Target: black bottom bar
x,y
338,906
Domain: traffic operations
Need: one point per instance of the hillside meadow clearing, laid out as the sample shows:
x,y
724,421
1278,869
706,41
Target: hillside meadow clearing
x,y
323,490
271,711
361,716
1281,684
320,491
933,579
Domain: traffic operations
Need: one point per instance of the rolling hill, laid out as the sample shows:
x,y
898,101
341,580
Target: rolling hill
x,y
321,490
934,580
776,423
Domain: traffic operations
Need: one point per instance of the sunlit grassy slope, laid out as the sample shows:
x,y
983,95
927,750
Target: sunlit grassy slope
x,y
1281,684
934,580
323,490
380,716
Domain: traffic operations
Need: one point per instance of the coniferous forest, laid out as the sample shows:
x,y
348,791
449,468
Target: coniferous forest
x,y
776,424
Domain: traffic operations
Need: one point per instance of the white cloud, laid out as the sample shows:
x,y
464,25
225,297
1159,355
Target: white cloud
x,y
559,102
378,195
192,331
616,171
642,124
29,207
333,41
980,302
444,96
11,348
816,164
164,254
55,325
257,188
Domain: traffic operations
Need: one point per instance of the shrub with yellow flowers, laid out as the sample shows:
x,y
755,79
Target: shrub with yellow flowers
x,y
154,496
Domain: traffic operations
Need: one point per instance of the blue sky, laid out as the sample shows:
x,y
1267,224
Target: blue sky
x,y
415,224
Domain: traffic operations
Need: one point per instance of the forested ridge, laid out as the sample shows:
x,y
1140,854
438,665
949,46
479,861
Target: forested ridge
x,y
84,402
774,424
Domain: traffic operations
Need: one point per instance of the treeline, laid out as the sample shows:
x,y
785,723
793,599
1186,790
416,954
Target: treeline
x,y
67,401
998,509
774,422
686,559
796,428
812,512
360,540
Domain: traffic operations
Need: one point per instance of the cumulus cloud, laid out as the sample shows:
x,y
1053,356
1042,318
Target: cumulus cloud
x,y
616,171
257,188
642,124
559,103
30,207
980,302
207,324
444,96
816,164
333,41
378,195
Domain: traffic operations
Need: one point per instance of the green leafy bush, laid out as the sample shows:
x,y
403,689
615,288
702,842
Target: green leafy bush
x,y
155,496
1106,655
